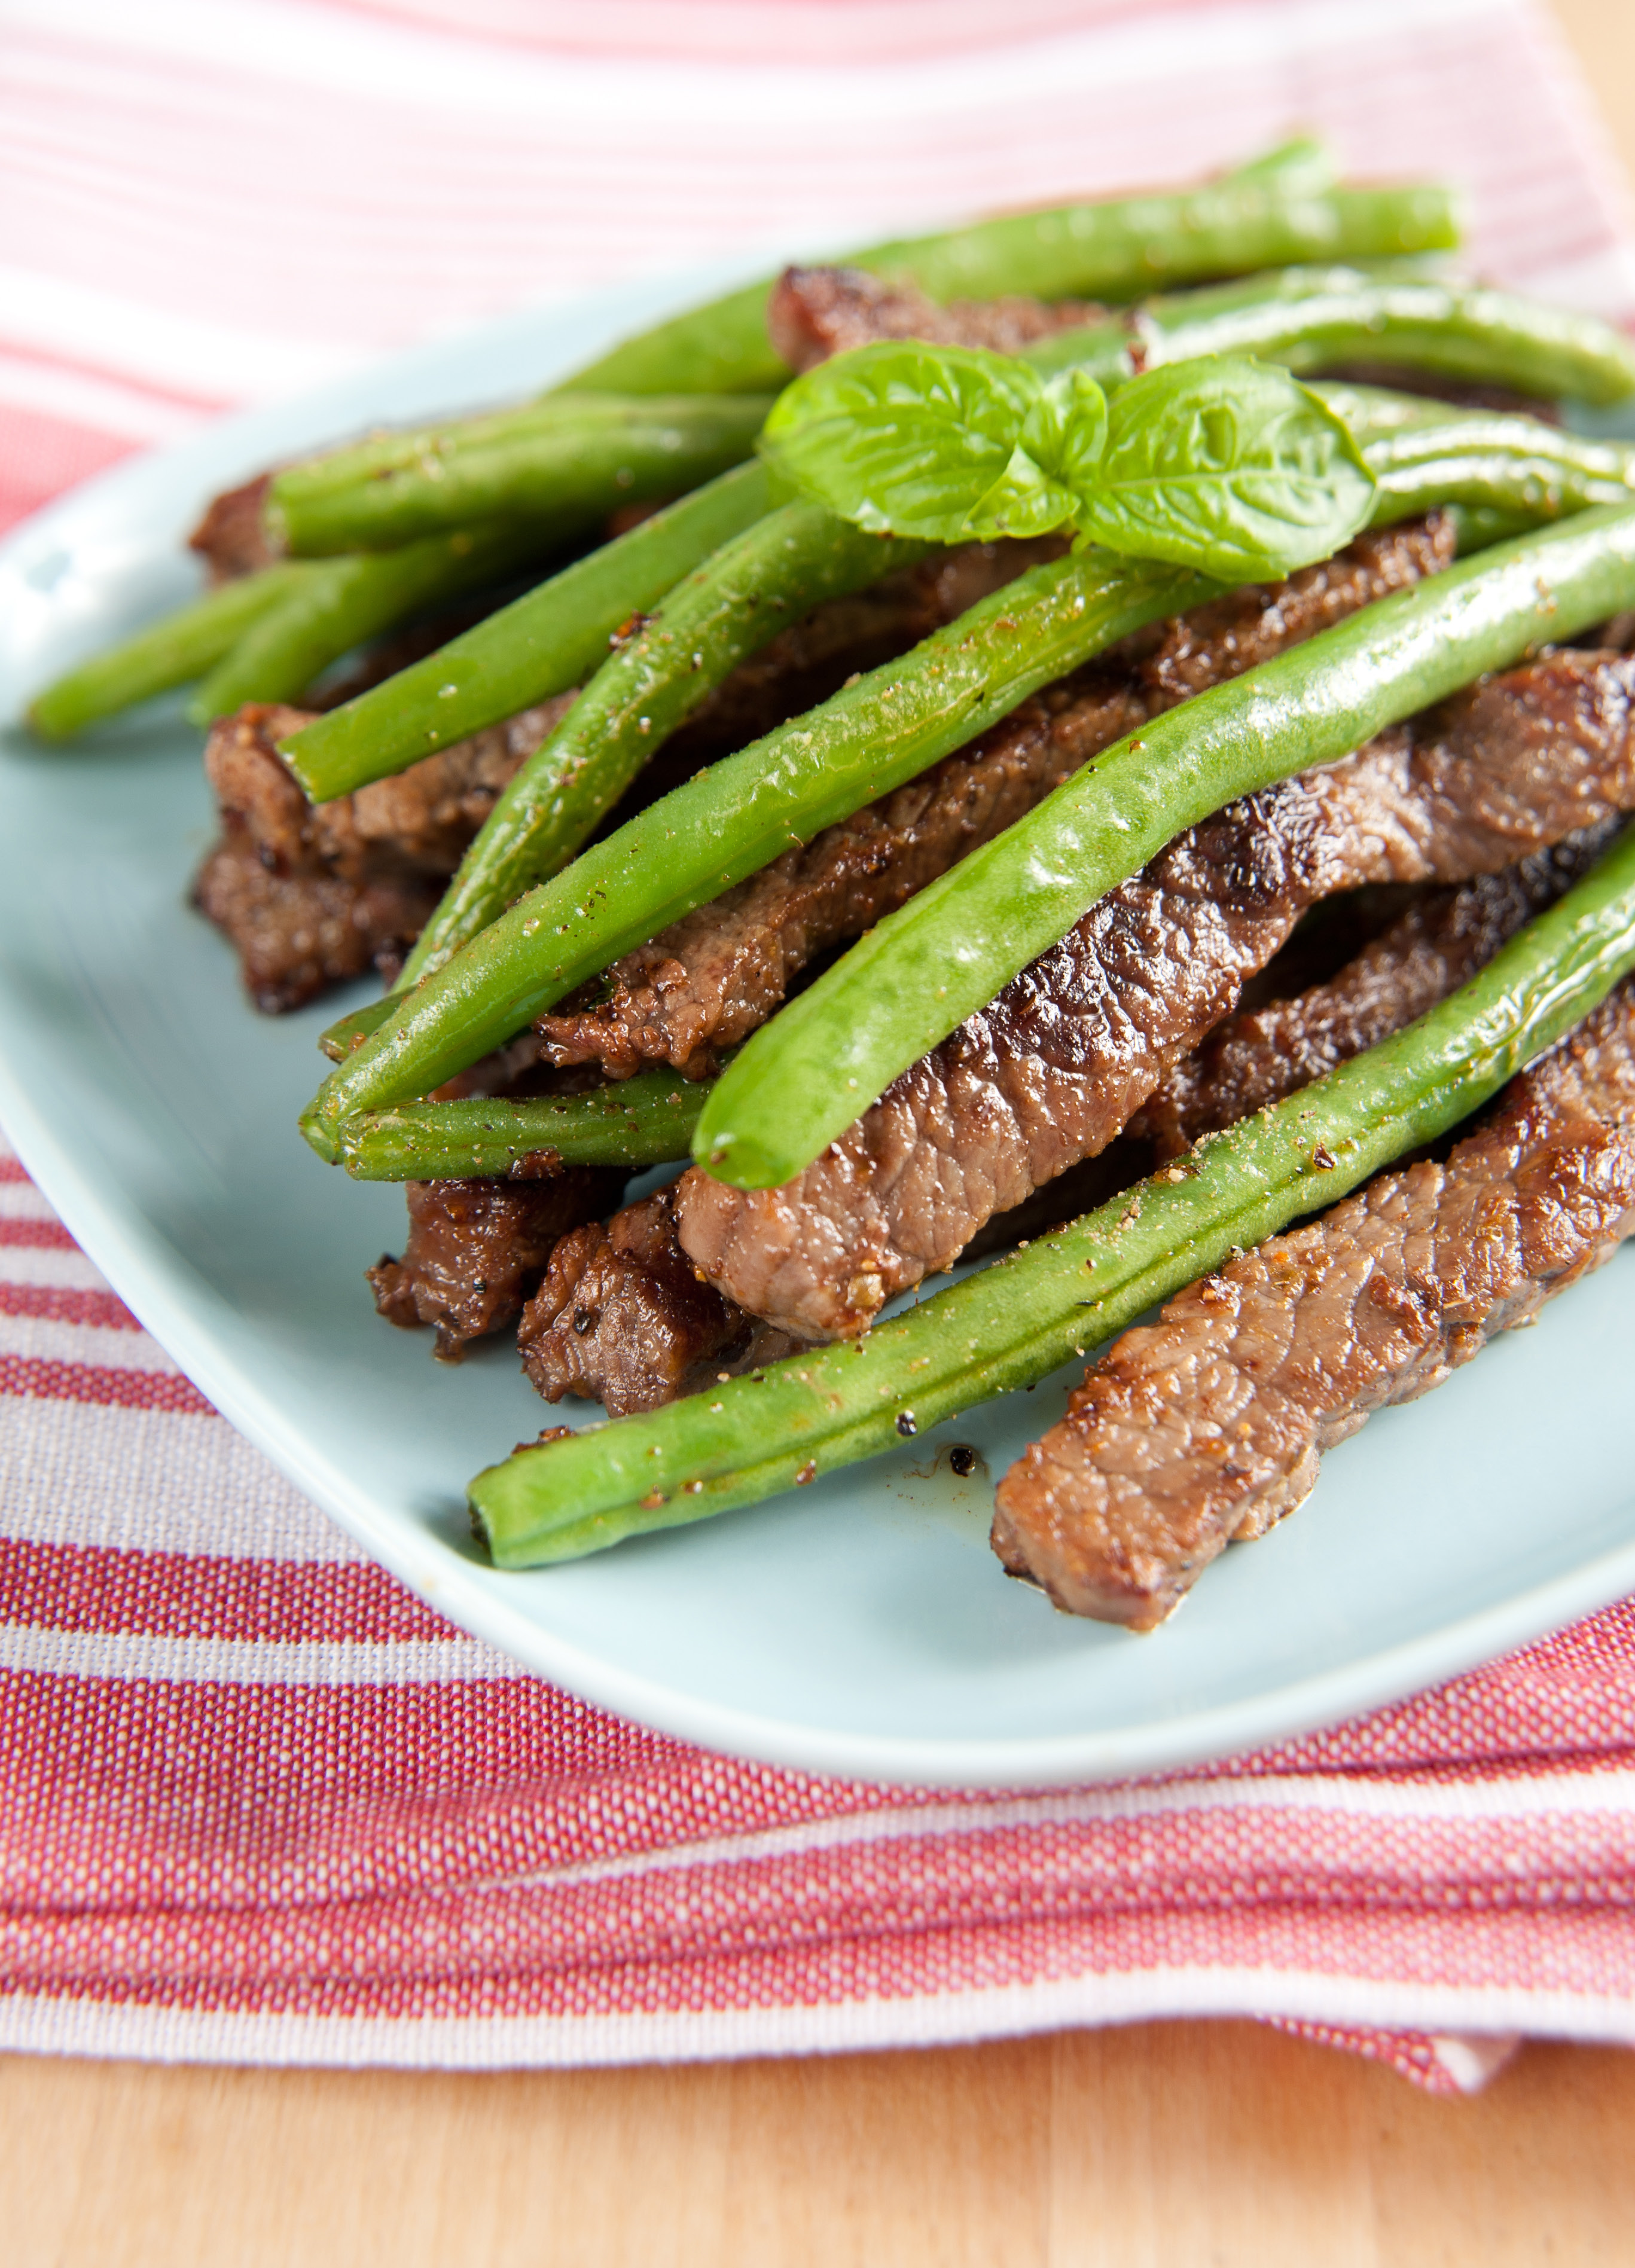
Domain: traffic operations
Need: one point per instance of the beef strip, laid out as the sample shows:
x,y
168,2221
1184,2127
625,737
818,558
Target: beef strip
x,y
623,1318
477,1248
709,980
232,537
815,313
1259,1056
1053,1068
1208,1427
312,894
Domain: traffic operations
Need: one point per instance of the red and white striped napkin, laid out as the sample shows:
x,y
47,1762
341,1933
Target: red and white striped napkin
x,y
260,1805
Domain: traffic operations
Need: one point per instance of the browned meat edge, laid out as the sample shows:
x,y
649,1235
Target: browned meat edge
x,y
621,1318
710,979
1261,1055
477,1248
1209,1427
310,895
815,313
1052,1069
232,535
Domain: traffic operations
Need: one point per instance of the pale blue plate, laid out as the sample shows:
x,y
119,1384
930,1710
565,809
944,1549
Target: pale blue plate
x,y
860,1627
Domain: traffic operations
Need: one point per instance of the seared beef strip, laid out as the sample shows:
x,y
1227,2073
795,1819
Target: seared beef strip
x,y
477,1248
1261,1055
815,313
1051,1069
1208,1427
711,978
311,894
621,1318
231,537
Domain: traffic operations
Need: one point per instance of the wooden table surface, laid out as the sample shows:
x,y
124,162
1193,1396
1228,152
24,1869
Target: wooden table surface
x,y
1160,2145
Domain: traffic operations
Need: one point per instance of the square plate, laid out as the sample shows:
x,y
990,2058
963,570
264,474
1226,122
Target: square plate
x,y
861,1627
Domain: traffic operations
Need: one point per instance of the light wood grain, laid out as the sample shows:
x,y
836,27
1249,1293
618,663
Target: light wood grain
x,y
1165,2145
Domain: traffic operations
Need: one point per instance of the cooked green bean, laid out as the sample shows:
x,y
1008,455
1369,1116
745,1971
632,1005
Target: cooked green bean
x,y
1110,251
1309,318
645,1121
338,603
171,651
1509,464
744,811
742,596
1011,1324
1493,459
802,1079
555,636
576,460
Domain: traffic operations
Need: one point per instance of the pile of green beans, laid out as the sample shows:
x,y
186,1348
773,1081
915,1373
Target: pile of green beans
x,y
174,651
342,603
1012,1323
769,577
1309,318
578,459
645,1121
747,809
1300,317
1266,217
555,636
802,1079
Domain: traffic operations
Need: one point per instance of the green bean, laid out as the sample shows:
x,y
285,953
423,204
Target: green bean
x,y
338,603
645,1121
1012,1323
741,597
171,651
1307,318
1494,457
802,1079
555,636
744,811
576,459
1110,251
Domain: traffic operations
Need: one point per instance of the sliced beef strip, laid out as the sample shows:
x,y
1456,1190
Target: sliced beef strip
x,y
312,894
711,978
477,1249
623,1318
1207,1427
297,934
1053,1068
232,537
1259,1056
815,313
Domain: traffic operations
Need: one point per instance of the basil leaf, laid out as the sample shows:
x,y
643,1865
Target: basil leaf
x,y
908,439
1226,465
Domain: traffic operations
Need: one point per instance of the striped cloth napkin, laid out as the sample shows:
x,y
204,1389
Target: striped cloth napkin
x,y
260,1805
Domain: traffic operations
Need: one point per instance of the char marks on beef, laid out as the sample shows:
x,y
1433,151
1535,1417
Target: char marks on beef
x,y
815,313
621,1318
1053,1068
477,1248
312,894
711,978
1261,1055
1209,1427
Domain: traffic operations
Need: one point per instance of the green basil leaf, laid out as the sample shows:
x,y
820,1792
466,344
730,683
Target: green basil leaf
x,y
1226,465
910,440
1066,428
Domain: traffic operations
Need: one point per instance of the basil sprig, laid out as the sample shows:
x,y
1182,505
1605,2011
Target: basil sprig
x,y
1222,464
